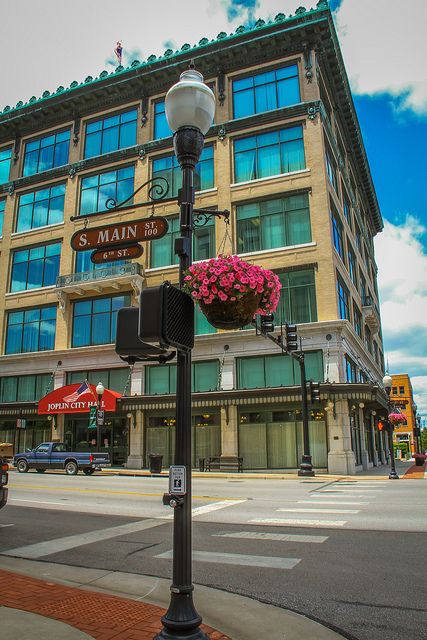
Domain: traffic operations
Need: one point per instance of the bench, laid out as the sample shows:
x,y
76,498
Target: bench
x,y
224,463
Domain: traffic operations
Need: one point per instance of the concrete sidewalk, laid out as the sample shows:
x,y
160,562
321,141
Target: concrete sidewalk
x,y
60,602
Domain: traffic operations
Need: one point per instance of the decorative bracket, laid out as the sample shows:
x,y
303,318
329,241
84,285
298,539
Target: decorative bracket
x,y
222,134
221,87
203,216
11,188
144,110
77,166
76,129
312,111
16,148
62,302
136,284
308,65
141,152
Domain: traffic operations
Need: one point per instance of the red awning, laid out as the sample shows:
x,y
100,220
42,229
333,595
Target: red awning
x,y
55,401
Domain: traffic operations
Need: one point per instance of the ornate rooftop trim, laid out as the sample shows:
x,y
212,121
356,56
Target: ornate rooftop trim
x,y
168,56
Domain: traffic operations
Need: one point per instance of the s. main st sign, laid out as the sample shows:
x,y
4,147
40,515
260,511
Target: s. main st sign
x,y
121,233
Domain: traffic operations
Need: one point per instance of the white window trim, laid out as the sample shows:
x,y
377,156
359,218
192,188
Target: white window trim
x,y
291,247
35,229
12,294
278,175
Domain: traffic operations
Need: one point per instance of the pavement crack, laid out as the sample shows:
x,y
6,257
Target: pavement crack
x,y
380,606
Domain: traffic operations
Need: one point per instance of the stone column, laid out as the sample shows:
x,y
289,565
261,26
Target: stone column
x,y
341,458
136,440
364,453
374,448
229,431
58,428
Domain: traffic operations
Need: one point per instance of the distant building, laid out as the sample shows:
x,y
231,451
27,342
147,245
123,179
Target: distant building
x,y
403,399
285,155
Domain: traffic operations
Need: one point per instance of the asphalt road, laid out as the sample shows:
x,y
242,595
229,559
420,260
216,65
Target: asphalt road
x,y
351,555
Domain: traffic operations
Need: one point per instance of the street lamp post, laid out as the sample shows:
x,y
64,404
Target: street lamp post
x,y
387,382
190,108
99,392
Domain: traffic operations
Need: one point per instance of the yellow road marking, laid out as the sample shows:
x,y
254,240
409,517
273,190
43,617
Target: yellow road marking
x,y
122,493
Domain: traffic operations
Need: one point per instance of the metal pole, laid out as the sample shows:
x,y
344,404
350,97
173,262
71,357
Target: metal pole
x,y
392,475
181,619
98,426
306,467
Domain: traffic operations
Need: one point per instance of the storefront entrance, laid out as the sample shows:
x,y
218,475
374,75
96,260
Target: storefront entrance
x,y
35,432
114,437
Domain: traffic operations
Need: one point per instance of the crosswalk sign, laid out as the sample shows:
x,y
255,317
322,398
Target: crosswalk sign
x,y
92,418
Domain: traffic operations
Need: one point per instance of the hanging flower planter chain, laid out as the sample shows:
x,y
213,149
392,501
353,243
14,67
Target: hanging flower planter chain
x,y
230,291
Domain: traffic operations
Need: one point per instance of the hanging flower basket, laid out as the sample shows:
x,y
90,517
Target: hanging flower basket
x,y
397,418
230,291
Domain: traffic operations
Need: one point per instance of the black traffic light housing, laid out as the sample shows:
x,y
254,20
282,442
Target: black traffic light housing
x,y
166,317
128,345
291,337
314,391
267,323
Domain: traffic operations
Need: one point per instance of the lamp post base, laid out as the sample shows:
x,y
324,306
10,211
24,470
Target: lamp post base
x,y
181,621
175,635
393,475
306,468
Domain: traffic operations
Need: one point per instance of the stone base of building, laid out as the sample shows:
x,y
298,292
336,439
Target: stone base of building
x,y
135,462
341,463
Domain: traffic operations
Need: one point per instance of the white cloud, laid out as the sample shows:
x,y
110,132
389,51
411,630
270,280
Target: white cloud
x,y
382,44
402,279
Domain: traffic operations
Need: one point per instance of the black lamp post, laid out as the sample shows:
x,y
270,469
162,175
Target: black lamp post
x,y
387,382
190,108
99,392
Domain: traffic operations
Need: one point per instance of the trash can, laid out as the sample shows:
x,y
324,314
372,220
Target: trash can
x,y
201,464
155,462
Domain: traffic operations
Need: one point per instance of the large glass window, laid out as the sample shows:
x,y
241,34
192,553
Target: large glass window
x,y
343,299
162,379
161,127
46,153
96,190
347,209
84,263
357,317
95,321
352,269
168,168
31,330
337,233
24,388
162,251
269,154
297,297
277,371
201,323
266,91
5,162
114,379
40,208
273,223
368,338
2,208
36,267
331,170
350,369
111,133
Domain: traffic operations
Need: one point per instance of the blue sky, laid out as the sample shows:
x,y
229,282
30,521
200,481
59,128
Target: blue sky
x,y
386,66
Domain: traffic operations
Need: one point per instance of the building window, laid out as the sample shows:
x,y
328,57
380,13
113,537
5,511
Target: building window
x,y
24,388
362,376
277,371
377,360
2,208
394,391
297,297
352,269
36,267
269,154
95,321
168,167
337,233
347,210
350,369
272,224
96,190
343,299
201,323
162,251
114,379
401,391
46,153
5,162
110,133
358,236
161,380
31,330
357,317
331,170
161,127
84,263
368,339
41,208
266,91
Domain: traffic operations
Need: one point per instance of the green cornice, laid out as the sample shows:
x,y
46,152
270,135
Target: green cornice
x,y
301,14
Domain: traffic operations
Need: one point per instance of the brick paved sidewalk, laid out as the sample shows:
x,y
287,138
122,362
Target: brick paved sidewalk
x,y
102,617
414,472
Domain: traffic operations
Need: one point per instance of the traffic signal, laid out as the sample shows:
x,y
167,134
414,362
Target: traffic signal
x,y
267,323
166,317
314,391
128,344
291,337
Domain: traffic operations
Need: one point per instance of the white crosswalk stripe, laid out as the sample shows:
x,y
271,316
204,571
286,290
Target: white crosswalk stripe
x,y
270,562
322,502
297,510
280,537
297,522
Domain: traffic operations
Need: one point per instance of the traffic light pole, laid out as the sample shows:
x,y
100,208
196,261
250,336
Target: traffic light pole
x,y
306,467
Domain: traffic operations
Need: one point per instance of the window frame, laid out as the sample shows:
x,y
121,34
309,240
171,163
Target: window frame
x,y
28,262
343,302
54,145
176,172
337,233
288,290
102,119
112,313
99,185
9,160
34,205
40,320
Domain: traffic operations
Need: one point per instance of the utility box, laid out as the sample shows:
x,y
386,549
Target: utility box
x,y
166,317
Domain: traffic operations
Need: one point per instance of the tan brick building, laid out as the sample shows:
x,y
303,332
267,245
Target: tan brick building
x,y
285,155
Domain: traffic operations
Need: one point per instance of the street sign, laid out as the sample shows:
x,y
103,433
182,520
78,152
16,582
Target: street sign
x,y
177,481
92,418
118,253
21,423
100,416
121,233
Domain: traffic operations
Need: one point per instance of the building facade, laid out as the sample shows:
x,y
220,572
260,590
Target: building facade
x,y
285,155
402,397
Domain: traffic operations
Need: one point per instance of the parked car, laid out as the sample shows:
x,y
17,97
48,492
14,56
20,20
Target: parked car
x,y
57,455
4,477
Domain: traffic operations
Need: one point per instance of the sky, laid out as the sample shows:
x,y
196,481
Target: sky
x,y
51,43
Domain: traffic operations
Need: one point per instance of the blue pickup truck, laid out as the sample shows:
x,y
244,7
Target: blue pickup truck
x,y
57,455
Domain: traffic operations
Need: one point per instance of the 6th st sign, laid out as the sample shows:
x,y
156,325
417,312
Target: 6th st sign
x,y
121,233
